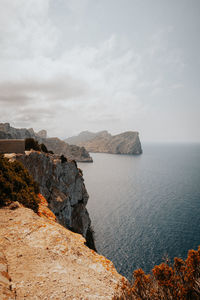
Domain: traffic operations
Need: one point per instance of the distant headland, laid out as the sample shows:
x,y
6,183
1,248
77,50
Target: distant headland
x,y
124,143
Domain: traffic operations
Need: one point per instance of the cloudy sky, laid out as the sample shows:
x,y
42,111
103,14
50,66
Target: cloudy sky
x,y
74,65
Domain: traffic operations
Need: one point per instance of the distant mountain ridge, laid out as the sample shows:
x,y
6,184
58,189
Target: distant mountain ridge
x,y
124,143
55,144
85,136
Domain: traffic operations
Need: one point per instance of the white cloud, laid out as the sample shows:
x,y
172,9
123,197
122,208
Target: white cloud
x,y
46,80
26,31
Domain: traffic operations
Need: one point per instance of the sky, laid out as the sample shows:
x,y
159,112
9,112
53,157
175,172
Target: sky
x,y
118,65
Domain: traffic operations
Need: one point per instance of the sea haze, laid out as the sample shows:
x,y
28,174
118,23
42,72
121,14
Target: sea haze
x,y
144,208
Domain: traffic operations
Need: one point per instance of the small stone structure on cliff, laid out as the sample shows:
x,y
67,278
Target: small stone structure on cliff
x,y
12,146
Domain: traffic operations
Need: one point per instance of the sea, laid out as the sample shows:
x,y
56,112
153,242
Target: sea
x,y
145,209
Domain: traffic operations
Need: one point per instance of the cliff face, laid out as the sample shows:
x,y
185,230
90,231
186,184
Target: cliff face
x,y
40,259
124,143
62,185
55,144
84,136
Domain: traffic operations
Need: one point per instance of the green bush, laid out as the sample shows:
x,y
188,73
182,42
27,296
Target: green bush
x,y
17,185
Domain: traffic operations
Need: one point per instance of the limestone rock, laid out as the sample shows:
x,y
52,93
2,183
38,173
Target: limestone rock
x,y
124,143
84,136
15,133
46,261
42,134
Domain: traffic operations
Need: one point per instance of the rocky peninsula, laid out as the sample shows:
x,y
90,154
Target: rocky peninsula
x,y
123,143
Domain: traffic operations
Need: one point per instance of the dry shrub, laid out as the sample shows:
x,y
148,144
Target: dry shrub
x,y
17,185
179,281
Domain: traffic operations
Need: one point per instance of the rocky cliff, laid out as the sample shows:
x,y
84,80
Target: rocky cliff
x,y
40,259
62,184
55,144
59,147
124,143
8,132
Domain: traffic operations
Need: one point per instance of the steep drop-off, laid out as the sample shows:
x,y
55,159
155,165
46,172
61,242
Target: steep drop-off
x,y
62,184
123,143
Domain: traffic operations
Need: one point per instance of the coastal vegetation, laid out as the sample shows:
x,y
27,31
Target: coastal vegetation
x,y
180,280
17,185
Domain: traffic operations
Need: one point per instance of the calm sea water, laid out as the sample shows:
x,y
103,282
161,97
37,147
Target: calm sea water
x,y
145,207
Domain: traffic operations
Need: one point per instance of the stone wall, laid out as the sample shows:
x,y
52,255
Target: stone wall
x,y
12,146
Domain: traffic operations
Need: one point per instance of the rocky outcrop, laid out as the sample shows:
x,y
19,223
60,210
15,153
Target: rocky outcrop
x,y
46,261
84,136
54,144
62,184
70,151
42,134
124,143
15,133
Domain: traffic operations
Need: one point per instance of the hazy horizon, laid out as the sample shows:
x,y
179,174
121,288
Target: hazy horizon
x,y
73,65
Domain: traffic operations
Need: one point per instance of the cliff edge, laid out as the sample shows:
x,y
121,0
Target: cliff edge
x,y
62,184
46,261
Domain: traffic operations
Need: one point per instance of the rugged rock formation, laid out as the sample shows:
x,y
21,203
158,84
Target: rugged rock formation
x,y
62,184
124,143
84,136
43,260
70,151
15,133
55,144
42,134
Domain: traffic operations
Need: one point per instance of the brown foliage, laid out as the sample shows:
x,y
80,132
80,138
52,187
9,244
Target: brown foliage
x,y
179,281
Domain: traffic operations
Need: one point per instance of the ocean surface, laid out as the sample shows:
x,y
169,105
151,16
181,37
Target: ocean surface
x,y
145,208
